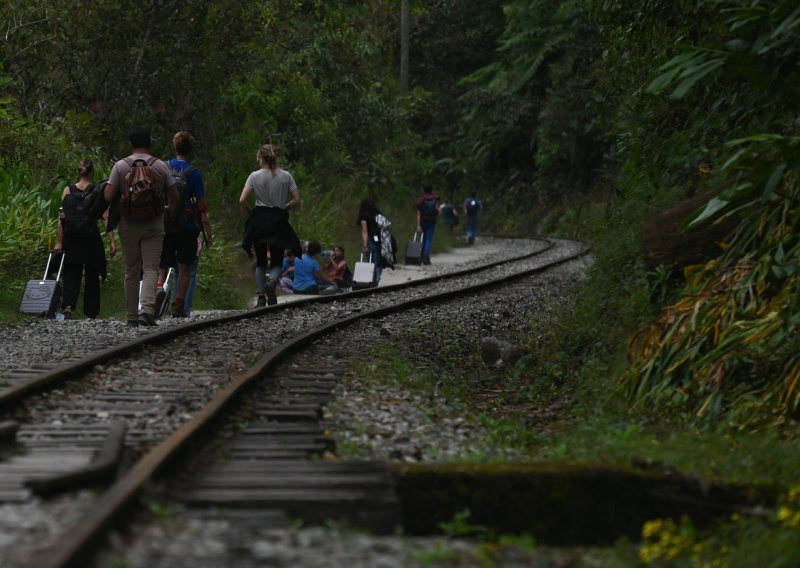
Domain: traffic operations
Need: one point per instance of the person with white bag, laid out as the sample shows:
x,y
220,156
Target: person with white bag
x,y
375,236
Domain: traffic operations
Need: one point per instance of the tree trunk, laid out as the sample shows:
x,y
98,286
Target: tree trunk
x,y
665,242
405,24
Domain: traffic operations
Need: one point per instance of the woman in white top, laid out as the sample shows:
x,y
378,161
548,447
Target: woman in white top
x,y
267,230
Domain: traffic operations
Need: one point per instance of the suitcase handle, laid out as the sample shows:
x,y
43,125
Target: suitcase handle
x,y
60,266
416,234
361,259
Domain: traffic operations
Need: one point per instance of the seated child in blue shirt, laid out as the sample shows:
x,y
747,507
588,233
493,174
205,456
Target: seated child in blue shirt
x,y
308,272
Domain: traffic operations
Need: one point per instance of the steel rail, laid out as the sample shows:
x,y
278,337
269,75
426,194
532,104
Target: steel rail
x,y
73,548
57,375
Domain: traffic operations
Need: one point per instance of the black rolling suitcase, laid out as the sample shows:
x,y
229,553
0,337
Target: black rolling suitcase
x,y
414,250
43,296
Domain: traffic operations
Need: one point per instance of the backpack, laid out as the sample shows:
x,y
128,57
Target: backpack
x,y
95,202
76,220
143,197
473,207
187,216
429,209
388,246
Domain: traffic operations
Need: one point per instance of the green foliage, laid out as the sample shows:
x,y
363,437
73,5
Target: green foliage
x,y
460,526
532,122
742,540
734,332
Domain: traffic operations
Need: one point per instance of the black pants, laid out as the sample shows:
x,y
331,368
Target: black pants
x,y
72,286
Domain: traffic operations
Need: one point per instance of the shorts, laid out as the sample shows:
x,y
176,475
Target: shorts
x,y
179,248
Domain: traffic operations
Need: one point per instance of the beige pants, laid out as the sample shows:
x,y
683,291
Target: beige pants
x,y
141,252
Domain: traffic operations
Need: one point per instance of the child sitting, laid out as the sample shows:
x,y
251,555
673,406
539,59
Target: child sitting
x,y
286,280
308,273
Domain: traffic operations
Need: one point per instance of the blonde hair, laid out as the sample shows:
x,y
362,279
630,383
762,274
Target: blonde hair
x,y
268,156
85,168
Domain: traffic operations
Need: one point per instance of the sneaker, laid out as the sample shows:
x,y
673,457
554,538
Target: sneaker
x,y
67,313
272,299
177,310
132,323
261,301
146,319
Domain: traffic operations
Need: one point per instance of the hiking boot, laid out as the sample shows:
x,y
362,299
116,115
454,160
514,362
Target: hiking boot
x,y
177,310
272,299
146,319
426,260
261,301
132,323
67,313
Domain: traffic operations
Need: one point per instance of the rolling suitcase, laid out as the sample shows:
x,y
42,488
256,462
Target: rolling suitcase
x,y
42,297
363,274
414,250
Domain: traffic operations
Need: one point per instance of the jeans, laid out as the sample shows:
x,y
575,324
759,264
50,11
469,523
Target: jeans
x,y
472,226
187,301
374,251
427,237
275,262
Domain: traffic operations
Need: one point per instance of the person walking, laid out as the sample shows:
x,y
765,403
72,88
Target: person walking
x,y
267,230
472,206
181,232
449,215
78,237
141,185
428,205
370,221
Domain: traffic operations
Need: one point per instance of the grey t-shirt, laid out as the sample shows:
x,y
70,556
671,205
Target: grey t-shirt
x,y
271,190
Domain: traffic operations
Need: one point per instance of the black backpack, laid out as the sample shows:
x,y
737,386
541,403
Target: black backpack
x,y
187,217
77,220
429,210
473,207
95,202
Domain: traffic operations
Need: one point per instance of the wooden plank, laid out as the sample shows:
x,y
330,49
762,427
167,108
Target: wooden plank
x,y
282,497
279,481
12,496
256,443
101,467
301,466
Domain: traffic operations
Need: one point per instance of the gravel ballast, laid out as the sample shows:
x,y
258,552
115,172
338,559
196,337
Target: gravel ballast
x,y
470,339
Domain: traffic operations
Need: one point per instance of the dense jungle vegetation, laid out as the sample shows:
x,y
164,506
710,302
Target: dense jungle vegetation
x,y
570,117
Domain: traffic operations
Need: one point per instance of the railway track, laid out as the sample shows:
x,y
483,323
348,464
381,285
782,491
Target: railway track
x,y
136,402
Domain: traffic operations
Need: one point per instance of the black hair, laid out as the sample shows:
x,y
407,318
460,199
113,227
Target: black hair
x,y
314,248
367,210
139,137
